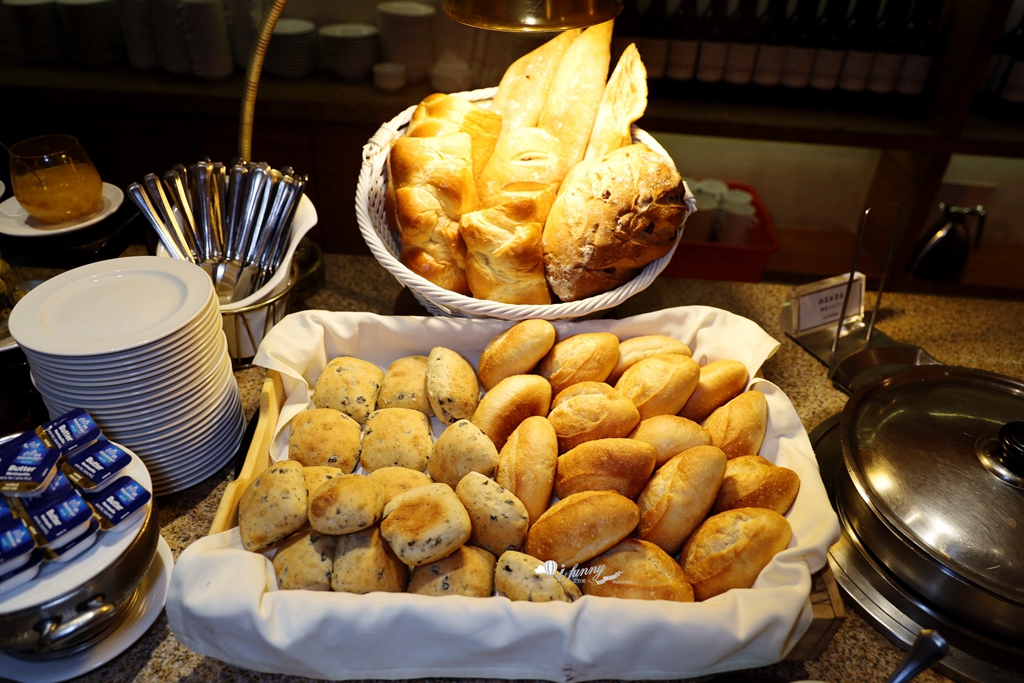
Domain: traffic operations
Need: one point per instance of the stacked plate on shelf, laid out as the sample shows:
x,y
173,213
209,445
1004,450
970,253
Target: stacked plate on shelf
x,y
138,342
294,50
37,26
350,50
92,30
407,36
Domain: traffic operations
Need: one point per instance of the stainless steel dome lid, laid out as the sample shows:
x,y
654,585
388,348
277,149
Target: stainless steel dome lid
x,y
922,448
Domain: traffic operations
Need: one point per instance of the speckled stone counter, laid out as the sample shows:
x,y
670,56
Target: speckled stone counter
x,y
984,334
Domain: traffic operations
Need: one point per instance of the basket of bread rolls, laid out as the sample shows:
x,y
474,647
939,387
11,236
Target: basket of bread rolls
x,y
539,198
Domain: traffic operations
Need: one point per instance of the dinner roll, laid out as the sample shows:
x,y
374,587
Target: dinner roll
x,y
519,576
589,356
582,526
753,482
425,524
317,476
452,386
588,416
324,436
508,403
516,351
405,385
499,519
738,427
621,465
670,435
345,504
720,382
396,437
639,570
468,571
304,560
527,463
398,480
350,385
273,505
585,389
364,563
659,385
462,448
635,349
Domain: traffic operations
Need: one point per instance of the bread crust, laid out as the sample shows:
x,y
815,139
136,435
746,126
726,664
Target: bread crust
x,y
739,426
349,385
468,571
304,561
516,351
440,114
620,465
452,386
324,437
425,524
527,464
639,570
499,519
622,103
398,480
405,385
351,502
635,349
519,576
581,527
590,416
753,482
511,401
659,385
273,506
584,357
670,435
364,563
720,382
462,448
396,437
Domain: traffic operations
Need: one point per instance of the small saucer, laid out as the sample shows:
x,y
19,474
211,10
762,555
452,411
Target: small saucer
x,y
16,222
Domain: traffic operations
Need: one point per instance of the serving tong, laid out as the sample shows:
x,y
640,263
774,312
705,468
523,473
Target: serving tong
x,y
234,222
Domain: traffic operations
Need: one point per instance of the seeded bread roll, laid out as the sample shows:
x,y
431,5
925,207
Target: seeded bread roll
x,y
350,385
510,402
425,524
324,436
679,497
468,571
527,463
273,505
318,476
720,382
753,482
588,416
730,549
499,519
582,526
639,570
516,351
398,480
635,349
452,386
659,385
738,427
405,385
345,504
364,563
518,576
304,561
396,437
586,357
462,448
620,465
670,435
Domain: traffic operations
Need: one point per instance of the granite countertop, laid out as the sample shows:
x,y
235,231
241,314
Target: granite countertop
x,y
977,333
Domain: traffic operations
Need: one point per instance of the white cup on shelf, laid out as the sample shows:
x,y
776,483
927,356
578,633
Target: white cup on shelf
x,y
699,225
389,76
737,222
714,187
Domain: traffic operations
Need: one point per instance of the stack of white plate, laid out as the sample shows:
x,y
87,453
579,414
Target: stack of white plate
x,y
294,51
37,25
138,343
208,41
407,36
93,31
350,50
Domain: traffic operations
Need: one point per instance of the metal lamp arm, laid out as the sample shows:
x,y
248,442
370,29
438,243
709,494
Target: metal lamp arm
x,y
252,75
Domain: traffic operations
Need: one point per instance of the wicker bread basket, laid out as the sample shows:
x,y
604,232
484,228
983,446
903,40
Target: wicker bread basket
x,y
385,245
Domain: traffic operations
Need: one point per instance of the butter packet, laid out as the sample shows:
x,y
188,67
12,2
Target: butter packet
x,y
76,547
70,432
120,503
27,465
6,514
23,574
95,466
57,520
16,546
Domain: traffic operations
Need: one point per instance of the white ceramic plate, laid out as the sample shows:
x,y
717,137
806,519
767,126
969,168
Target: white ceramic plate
x,y
16,222
3,188
145,611
110,306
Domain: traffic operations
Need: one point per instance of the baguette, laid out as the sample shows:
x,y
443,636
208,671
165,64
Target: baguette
x,y
623,102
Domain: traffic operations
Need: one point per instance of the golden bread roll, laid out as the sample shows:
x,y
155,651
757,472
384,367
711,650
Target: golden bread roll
x,y
452,386
397,480
519,576
303,561
635,349
318,475
753,482
499,519
504,253
585,357
433,185
670,435
468,571
581,527
348,503
739,426
659,385
324,436
623,102
679,497
510,402
525,164
639,570
273,505
720,382
527,463
440,114
585,389
516,351
620,465
364,563
405,385
585,417
599,235
396,437
730,549
349,385
462,448
425,524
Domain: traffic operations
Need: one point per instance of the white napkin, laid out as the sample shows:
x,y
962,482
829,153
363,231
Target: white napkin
x,y
224,603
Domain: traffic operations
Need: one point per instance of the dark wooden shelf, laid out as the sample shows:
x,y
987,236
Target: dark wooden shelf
x,y
986,137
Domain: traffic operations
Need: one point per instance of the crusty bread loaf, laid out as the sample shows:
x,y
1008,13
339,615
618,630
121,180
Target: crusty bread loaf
x,y
524,164
396,437
364,563
510,402
623,102
349,385
304,560
620,465
679,497
670,435
639,570
730,549
468,571
516,351
739,426
527,463
499,519
398,480
635,349
273,505
405,385
462,448
581,527
425,524
753,482
585,389
588,416
440,114
612,217
720,382
659,385
519,576
452,386
584,357
348,503
324,437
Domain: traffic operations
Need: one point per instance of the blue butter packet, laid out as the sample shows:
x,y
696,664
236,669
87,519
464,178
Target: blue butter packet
x,y
16,544
22,574
73,549
6,514
58,489
97,465
58,520
71,431
27,465
119,503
